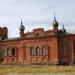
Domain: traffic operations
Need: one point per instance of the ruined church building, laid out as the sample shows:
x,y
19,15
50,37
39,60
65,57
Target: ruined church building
x,y
55,46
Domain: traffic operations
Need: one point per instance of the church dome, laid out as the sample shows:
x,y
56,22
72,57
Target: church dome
x,y
22,28
63,29
55,23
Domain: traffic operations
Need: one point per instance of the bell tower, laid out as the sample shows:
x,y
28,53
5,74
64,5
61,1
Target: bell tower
x,y
55,42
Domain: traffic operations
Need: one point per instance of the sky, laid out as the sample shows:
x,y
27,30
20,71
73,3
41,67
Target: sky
x,y
36,14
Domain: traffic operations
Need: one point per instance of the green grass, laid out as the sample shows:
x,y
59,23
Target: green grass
x,y
33,69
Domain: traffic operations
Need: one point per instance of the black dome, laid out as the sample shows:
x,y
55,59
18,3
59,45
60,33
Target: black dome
x,y
63,29
55,23
22,28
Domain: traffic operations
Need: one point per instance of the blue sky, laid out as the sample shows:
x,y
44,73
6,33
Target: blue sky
x,y
36,14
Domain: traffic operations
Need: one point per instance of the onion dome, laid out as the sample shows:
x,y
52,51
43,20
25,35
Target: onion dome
x,y
63,29
55,23
22,28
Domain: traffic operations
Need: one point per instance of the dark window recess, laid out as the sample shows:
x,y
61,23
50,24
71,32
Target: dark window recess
x,y
13,51
31,51
38,51
37,34
44,50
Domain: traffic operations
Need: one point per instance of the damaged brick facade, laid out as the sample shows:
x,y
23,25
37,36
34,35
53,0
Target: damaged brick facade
x,y
39,47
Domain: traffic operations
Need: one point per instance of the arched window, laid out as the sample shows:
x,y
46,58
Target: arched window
x,y
38,51
44,50
31,51
13,51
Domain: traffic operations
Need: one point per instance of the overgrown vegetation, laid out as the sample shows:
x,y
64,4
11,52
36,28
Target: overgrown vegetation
x,y
36,69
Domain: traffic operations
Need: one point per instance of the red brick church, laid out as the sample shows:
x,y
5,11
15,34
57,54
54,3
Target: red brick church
x,y
54,46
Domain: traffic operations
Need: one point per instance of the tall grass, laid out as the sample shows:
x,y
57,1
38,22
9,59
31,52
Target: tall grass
x,y
36,70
